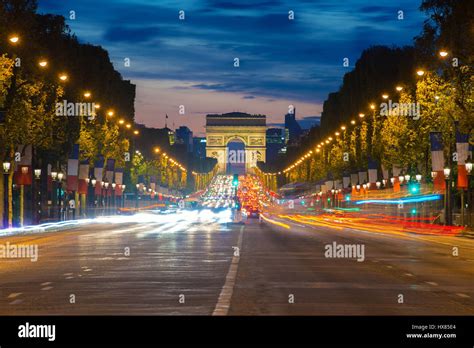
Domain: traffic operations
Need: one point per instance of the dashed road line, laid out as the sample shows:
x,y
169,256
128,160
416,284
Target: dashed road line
x,y
463,295
223,303
14,294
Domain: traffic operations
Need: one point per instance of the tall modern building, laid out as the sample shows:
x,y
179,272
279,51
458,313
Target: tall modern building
x,y
199,147
184,136
276,143
292,127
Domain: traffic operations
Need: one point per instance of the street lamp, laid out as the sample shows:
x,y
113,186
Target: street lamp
x,y
443,53
418,177
114,185
378,184
14,39
6,171
420,72
401,178
60,177
448,218
37,173
468,165
63,77
407,178
43,63
392,180
6,167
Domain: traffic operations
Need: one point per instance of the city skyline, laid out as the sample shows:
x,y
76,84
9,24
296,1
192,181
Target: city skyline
x,y
190,62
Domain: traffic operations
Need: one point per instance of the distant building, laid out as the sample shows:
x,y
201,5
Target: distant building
x,y
276,143
199,147
171,136
185,136
292,126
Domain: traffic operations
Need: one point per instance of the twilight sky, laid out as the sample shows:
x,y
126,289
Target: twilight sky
x,y
190,62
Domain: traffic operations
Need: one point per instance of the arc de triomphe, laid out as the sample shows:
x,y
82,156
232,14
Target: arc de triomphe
x,y
222,129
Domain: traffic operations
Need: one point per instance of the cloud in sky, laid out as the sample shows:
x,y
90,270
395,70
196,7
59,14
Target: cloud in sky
x,y
175,62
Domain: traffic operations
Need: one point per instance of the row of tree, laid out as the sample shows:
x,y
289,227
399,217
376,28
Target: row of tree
x,y
441,95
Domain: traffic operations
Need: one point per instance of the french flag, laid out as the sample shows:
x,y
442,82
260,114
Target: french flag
x,y
109,174
23,172
98,172
73,169
437,159
372,171
118,181
83,175
362,177
346,181
462,149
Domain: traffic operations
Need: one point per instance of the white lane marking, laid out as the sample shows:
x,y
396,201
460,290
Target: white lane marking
x,y
223,303
432,283
463,295
47,288
14,294
69,277
17,301
409,274
45,283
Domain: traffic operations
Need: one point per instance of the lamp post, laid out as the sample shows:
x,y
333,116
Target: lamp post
x,y
114,185
136,196
94,199
107,201
469,193
37,201
122,203
448,218
6,172
60,198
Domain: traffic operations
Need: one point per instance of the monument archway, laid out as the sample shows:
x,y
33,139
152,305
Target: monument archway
x,y
225,128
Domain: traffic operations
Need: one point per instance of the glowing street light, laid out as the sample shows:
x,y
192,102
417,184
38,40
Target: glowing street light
x,y
446,172
385,96
399,88
110,113
468,165
420,72
372,106
353,122
87,94
43,63
128,126
443,53
136,132
63,77
361,115
122,121
6,167
14,39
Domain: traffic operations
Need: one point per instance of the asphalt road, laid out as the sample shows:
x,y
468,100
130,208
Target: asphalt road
x,y
194,264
